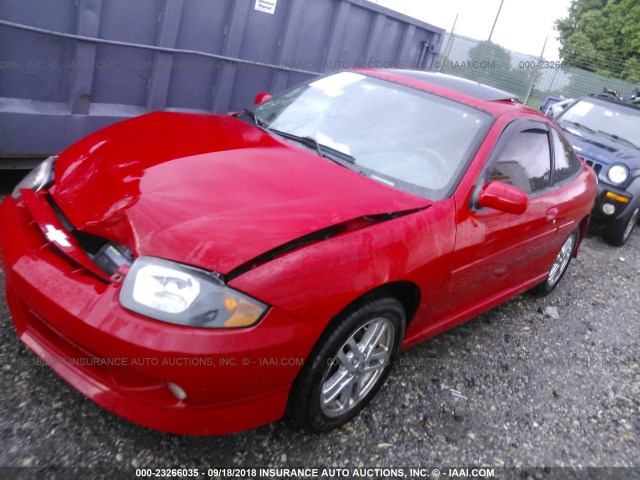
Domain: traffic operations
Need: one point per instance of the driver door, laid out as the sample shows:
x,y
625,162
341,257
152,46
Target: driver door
x,y
496,252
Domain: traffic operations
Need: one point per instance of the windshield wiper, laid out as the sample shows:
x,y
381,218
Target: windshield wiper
x,y
254,118
617,138
322,150
579,125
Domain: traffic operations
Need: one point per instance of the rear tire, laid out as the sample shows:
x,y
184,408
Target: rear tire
x,y
619,231
560,265
348,365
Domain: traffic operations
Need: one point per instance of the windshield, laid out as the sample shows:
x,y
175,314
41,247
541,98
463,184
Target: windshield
x,y
620,123
397,135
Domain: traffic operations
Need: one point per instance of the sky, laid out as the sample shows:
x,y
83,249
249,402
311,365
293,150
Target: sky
x,y
522,26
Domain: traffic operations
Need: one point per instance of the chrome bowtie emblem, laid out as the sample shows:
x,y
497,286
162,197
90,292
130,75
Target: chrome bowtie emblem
x,y
57,236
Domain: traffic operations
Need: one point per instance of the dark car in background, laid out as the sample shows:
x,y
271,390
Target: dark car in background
x,y
605,131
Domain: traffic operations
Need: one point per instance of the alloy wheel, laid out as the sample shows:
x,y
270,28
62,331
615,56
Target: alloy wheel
x,y
356,367
562,260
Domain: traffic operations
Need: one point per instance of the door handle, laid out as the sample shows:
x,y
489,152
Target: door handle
x,y
552,214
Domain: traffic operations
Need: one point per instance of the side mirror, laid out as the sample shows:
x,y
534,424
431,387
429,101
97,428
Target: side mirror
x,y
503,197
262,97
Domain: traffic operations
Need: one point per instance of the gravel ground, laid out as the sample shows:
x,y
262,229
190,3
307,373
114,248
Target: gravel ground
x,y
513,387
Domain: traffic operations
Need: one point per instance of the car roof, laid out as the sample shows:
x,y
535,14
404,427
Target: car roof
x,y
492,100
610,99
468,87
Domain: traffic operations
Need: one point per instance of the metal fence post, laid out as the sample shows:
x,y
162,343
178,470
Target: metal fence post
x,y
535,75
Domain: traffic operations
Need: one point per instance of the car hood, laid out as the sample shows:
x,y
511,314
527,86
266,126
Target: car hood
x,y
604,150
209,191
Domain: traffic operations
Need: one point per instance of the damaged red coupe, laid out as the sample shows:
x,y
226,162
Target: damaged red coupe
x,y
206,274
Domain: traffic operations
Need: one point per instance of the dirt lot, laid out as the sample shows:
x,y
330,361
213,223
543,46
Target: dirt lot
x,y
513,387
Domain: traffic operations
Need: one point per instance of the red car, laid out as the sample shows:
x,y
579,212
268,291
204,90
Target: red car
x,y
205,274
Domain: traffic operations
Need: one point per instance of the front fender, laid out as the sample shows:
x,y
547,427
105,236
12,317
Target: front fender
x,y
320,280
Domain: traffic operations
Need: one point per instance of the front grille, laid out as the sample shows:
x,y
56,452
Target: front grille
x,y
597,167
108,256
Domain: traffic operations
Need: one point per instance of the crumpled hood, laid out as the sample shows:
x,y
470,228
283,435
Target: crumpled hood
x,y
603,150
207,190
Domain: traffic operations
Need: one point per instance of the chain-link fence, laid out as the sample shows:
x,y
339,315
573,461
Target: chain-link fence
x,y
531,78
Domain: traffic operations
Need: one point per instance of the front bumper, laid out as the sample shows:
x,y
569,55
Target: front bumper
x,y
613,196
234,379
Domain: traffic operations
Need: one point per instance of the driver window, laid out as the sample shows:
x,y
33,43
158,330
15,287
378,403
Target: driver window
x,y
524,161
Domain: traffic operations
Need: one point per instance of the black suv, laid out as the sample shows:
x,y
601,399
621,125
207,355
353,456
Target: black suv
x,y
605,131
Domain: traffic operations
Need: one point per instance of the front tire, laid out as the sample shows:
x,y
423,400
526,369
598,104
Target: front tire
x,y
619,231
560,265
348,366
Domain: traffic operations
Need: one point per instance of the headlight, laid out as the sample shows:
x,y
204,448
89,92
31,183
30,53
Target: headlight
x,y
618,174
184,295
39,178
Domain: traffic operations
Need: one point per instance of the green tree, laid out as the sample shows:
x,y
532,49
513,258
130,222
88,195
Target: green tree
x,y
487,63
602,36
495,69
488,51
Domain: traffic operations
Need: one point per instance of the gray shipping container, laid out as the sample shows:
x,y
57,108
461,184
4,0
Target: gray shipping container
x,y
70,67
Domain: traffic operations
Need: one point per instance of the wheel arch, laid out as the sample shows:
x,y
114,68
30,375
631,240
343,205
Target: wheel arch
x,y
407,293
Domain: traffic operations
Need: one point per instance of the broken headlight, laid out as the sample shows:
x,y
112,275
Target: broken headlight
x,y
39,178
